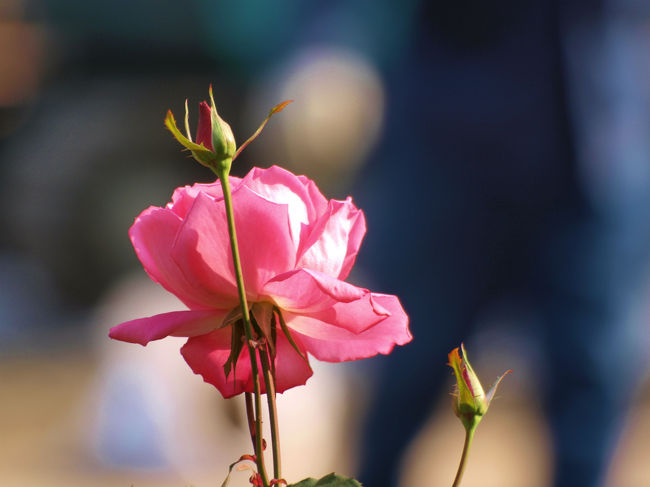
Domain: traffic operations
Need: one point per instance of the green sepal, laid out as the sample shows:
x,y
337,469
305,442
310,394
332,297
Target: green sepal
x,y
236,346
203,155
170,123
270,341
273,111
223,140
465,399
475,384
490,394
330,480
274,340
287,333
187,122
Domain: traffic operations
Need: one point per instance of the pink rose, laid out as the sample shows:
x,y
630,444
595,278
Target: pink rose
x,y
296,249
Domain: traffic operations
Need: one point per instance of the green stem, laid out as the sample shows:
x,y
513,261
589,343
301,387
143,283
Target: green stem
x,y
250,416
469,435
248,329
269,381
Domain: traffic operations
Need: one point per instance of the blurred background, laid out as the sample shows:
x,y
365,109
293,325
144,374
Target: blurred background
x,y
501,154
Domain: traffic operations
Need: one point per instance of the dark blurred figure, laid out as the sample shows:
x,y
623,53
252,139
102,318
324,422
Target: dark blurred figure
x,y
515,162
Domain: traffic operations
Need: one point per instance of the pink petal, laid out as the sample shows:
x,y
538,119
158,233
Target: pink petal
x,y
207,354
302,196
331,343
290,368
176,323
318,201
153,235
322,297
183,197
202,248
334,241
307,290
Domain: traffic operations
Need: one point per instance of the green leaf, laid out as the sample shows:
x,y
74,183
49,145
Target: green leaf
x,y
310,482
330,480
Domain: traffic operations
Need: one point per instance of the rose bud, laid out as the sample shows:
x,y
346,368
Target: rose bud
x,y
215,145
214,133
470,401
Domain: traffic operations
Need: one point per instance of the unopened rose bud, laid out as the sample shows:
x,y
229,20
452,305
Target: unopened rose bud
x,y
214,133
470,401
215,145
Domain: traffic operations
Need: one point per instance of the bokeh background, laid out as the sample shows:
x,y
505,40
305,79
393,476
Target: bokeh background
x,y
84,87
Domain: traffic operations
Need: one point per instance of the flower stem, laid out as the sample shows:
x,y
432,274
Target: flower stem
x,y
222,173
250,416
469,435
269,381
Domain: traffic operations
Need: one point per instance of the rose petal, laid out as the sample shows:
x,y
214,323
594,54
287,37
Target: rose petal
x,y
202,250
183,197
207,354
334,241
303,198
152,235
265,244
318,295
331,343
291,369
307,290
176,323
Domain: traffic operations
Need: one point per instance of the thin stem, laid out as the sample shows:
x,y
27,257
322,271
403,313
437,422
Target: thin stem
x,y
248,329
469,435
269,381
250,416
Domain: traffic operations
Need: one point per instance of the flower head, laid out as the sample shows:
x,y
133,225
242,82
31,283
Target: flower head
x,y
296,247
470,401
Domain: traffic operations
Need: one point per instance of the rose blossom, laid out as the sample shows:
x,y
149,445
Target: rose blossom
x,y
296,250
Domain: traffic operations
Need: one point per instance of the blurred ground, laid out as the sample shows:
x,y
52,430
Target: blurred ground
x,y
43,415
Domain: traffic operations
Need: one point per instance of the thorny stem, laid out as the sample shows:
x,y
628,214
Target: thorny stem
x,y
222,173
469,435
269,381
